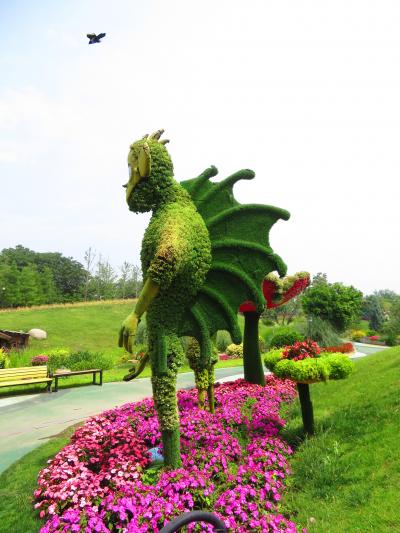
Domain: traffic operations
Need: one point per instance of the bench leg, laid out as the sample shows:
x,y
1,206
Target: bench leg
x,y
56,384
94,378
101,378
49,386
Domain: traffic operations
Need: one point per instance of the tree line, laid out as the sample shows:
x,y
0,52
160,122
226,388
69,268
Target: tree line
x,y
35,278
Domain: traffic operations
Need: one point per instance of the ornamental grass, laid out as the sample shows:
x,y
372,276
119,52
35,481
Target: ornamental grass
x,y
233,463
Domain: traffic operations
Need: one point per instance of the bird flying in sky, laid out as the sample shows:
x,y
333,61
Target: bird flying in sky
x,y
93,38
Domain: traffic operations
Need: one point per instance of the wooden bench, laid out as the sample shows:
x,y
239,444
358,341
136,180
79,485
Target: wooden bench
x,y
94,371
25,375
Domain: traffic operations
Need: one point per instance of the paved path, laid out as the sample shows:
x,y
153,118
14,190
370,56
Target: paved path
x,y
30,420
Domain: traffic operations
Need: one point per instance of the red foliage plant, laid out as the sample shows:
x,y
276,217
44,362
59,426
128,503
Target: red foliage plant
x,y
346,347
301,350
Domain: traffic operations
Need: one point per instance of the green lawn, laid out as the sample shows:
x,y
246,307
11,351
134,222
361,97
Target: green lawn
x,y
18,482
347,478
78,327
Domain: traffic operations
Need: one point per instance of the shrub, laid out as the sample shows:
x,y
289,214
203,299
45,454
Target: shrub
x,y
58,358
303,370
357,334
321,332
39,360
80,360
285,338
340,367
235,351
83,360
391,340
4,359
223,340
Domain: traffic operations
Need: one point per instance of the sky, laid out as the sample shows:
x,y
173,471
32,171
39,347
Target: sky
x,y
305,93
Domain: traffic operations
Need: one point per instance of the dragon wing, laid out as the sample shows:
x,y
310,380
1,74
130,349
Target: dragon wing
x,y
241,255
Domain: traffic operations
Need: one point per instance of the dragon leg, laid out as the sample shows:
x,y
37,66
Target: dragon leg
x,y
210,389
200,373
166,355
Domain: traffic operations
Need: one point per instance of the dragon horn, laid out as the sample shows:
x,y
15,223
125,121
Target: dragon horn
x,y
156,135
145,136
164,141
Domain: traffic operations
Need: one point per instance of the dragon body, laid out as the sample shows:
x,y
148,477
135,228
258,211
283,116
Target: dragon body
x,y
203,254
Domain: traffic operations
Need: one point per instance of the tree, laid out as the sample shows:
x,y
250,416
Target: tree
x,y
125,269
376,316
105,279
68,274
392,326
30,289
336,303
135,281
89,257
285,314
48,287
9,285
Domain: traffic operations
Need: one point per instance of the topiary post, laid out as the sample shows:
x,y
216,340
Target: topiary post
x,y
253,368
307,412
304,363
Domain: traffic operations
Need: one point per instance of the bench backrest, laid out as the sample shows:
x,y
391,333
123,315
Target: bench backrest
x,y
24,372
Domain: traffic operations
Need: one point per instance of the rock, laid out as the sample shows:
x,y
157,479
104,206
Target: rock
x,y
39,334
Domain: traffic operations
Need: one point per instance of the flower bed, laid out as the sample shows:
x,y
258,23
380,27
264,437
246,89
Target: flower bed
x,y
346,347
234,464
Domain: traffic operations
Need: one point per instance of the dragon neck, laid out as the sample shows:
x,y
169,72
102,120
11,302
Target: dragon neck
x,y
172,193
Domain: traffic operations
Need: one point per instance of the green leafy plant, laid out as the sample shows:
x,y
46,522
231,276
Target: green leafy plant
x,y
285,338
223,340
321,331
84,360
235,351
4,359
79,360
358,334
335,303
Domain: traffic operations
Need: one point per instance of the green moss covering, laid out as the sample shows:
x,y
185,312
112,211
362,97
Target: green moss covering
x,y
203,254
204,375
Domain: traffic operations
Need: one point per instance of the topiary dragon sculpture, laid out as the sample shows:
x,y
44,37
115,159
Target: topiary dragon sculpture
x,y
203,254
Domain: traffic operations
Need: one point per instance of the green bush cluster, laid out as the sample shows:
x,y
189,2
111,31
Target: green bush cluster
x,y
327,366
285,338
357,334
80,360
322,332
235,351
223,340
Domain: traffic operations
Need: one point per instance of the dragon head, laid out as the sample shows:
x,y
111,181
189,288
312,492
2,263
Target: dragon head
x,y
150,172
